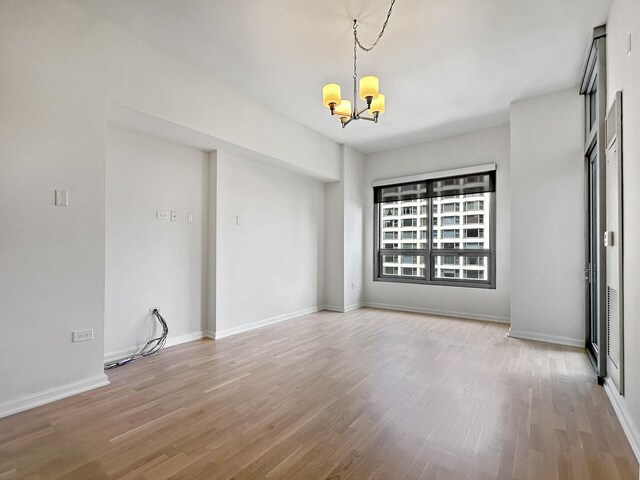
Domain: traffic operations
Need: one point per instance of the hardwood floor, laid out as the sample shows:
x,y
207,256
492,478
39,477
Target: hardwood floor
x,y
366,395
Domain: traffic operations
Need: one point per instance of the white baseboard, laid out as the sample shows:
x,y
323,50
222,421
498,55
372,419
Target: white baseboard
x,y
431,311
52,394
543,337
262,323
630,429
355,306
333,308
171,341
209,334
348,308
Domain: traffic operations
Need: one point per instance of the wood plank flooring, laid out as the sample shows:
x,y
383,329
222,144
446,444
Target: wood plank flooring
x,y
369,394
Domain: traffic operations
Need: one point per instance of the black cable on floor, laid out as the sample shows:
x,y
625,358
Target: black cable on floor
x,y
152,346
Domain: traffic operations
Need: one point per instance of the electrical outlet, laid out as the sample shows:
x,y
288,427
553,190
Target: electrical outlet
x,y
189,217
83,335
174,216
355,286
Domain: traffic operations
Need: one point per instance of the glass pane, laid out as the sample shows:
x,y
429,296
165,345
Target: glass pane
x,y
593,96
462,217
465,267
404,225
403,265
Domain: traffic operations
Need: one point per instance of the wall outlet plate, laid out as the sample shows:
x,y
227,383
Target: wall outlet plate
x,y
83,335
163,215
174,216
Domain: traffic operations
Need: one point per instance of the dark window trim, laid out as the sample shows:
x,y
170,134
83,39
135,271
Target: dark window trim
x,y
429,253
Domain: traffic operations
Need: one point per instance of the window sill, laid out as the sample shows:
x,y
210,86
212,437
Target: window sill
x,y
442,283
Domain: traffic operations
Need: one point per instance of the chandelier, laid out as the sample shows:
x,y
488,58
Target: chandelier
x,y
369,87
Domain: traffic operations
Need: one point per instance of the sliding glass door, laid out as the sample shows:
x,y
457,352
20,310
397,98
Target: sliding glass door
x,y
593,87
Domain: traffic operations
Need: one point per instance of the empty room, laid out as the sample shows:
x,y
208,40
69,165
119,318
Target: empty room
x,y
303,239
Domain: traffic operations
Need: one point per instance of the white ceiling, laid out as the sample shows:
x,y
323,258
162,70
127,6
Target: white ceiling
x,y
445,66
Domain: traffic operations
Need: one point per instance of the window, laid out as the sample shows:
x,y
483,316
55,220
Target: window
x,y
473,274
409,210
450,273
468,260
456,213
473,206
409,222
450,207
449,260
472,219
474,233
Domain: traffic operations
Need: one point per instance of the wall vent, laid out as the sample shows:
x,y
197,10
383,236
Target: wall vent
x,y
613,326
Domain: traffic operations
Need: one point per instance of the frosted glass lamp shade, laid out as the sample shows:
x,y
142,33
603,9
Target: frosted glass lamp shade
x,y
331,94
344,109
377,105
369,87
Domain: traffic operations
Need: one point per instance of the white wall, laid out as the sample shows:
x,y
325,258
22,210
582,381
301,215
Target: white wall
x,y
146,79
344,235
475,148
547,211
51,258
334,246
152,262
623,73
271,266
353,205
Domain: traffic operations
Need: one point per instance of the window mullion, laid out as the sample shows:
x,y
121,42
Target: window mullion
x,y
428,275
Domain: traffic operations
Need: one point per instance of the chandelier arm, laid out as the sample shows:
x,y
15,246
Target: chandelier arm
x,y
384,26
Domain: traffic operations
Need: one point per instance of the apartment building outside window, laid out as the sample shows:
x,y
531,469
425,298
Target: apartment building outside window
x,y
457,214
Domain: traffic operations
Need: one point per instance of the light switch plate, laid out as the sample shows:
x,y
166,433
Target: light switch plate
x,y
189,217
62,198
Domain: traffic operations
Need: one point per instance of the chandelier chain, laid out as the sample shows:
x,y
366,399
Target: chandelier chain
x,y
384,26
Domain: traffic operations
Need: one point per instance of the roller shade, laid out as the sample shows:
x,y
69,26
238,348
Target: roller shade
x,y
437,187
